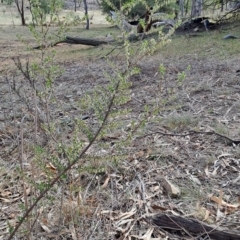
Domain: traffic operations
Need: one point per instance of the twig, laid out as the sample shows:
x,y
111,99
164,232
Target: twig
x,y
76,40
109,52
11,100
193,133
24,185
70,165
143,192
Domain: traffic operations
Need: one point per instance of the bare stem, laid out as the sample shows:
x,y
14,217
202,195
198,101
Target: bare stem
x,y
51,184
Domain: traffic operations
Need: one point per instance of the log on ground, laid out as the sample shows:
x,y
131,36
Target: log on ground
x,y
191,226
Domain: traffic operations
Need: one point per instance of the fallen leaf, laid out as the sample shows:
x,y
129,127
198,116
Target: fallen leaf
x,y
170,188
207,171
194,179
51,167
106,182
207,213
5,200
219,215
220,202
45,228
5,193
158,207
214,173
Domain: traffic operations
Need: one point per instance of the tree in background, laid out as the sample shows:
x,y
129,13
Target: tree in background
x,y
133,8
20,8
41,8
9,2
77,3
181,7
86,14
197,6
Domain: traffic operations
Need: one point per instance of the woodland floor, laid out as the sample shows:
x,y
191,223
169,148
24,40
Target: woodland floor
x,y
125,186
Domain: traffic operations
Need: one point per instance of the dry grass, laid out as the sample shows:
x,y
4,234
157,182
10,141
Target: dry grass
x,y
108,194
9,16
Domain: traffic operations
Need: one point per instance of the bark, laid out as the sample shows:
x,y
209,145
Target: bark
x,y
85,41
176,11
222,5
191,226
181,6
75,5
94,42
71,40
197,6
34,20
20,8
86,14
186,7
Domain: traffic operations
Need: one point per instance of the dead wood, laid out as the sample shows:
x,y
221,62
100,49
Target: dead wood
x,y
229,140
85,41
76,40
191,226
93,42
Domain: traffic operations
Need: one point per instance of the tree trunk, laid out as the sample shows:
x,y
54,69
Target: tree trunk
x,y
191,226
186,7
222,4
20,8
75,5
176,11
86,14
181,6
32,14
196,8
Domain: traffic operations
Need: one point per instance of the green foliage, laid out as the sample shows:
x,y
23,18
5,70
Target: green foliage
x,y
179,122
10,227
182,76
133,8
68,140
41,8
162,70
9,2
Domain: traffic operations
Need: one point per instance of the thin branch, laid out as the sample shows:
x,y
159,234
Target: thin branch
x,y
21,166
193,133
51,184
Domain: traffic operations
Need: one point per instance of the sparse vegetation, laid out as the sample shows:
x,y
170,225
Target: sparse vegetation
x,y
89,133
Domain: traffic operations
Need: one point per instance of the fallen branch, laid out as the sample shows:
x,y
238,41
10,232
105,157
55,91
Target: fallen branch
x,y
86,41
71,40
93,42
236,142
190,226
